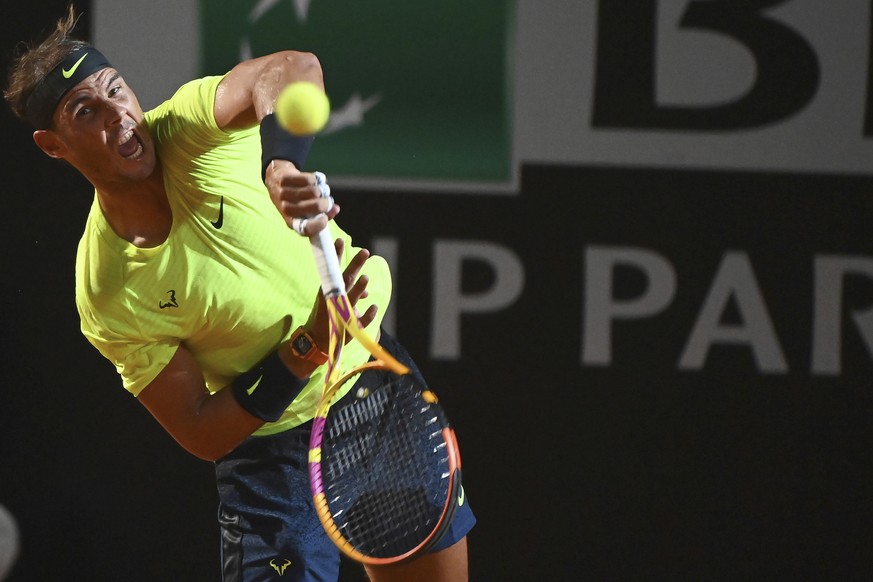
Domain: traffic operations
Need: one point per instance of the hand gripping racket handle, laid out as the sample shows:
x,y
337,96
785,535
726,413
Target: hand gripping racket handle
x,y
333,286
329,271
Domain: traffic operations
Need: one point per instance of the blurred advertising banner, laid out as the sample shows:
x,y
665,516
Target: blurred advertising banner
x,y
458,95
769,85
420,92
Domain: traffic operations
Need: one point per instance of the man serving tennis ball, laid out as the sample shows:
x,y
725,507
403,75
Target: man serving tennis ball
x,y
191,283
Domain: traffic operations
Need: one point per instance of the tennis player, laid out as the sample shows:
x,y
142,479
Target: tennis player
x,y
191,280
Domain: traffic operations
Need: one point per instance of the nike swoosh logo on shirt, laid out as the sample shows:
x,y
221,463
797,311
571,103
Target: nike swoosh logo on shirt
x,y
69,73
217,223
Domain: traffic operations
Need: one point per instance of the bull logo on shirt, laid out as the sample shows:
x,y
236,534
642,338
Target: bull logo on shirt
x,y
172,302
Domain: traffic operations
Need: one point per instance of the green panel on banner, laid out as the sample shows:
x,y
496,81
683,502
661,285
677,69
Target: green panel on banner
x,y
420,90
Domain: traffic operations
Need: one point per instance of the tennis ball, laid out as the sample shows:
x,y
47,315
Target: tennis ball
x,y
302,108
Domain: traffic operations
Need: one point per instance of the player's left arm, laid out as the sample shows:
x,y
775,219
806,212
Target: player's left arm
x,y
208,425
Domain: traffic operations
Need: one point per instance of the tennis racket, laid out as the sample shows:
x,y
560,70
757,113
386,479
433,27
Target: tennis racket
x,y
385,470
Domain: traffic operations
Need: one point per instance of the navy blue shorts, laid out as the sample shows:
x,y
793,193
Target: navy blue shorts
x,y
266,515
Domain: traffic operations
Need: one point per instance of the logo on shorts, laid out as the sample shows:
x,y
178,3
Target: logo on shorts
x,y
461,497
280,569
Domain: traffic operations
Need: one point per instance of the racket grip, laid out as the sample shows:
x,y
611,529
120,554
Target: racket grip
x,y
327,263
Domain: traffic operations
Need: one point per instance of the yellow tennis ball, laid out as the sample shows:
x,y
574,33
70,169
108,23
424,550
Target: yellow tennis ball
x,y
302,108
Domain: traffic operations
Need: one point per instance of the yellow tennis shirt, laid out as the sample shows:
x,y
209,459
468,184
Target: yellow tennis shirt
x,y
231,281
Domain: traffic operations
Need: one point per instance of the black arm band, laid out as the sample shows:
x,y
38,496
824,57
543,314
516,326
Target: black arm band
x,y
268,389
278,144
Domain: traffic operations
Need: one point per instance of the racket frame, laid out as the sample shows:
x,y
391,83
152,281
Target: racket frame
x,y
342,319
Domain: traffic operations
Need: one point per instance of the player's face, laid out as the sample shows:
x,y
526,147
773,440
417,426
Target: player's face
x,y
99,124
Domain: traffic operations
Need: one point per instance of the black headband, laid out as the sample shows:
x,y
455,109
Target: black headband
x,y
79,65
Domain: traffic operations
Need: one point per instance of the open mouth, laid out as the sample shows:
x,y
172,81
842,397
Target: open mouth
x,y
130,146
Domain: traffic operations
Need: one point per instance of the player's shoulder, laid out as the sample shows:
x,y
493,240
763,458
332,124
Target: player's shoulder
x,y
191,103
185,123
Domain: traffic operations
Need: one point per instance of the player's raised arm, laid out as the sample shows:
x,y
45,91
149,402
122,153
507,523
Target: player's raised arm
x,y
246,96
248,92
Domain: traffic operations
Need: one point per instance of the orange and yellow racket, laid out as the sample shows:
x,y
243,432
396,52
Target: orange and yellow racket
x,y
384,465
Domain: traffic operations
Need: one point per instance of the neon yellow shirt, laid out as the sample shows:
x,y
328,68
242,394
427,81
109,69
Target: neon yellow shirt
x,y
231,282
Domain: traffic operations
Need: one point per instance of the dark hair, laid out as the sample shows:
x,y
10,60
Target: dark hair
x,y
30,67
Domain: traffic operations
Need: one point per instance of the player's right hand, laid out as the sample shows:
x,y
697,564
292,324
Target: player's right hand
x,y
356,289
299,197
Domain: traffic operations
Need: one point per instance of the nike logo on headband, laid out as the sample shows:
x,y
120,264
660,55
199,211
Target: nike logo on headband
x,y
69,73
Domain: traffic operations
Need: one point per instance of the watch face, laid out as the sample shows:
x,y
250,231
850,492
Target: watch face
x,y
302,344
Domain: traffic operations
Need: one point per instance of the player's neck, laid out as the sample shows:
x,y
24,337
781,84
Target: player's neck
x,y
139,213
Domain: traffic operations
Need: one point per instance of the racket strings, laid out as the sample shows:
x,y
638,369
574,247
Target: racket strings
x,y
381,506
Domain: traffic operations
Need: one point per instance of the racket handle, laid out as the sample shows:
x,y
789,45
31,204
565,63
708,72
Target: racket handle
x,y
327,263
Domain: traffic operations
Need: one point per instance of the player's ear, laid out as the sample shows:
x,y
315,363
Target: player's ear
x,y
48,141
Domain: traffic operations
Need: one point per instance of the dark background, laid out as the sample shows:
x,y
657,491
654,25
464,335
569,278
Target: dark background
x,y
638,470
